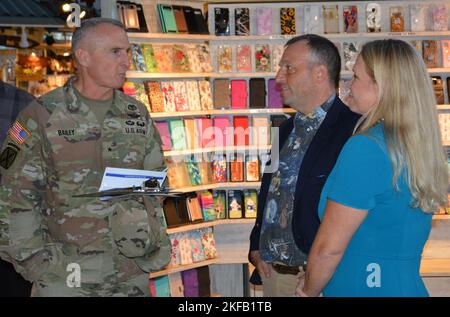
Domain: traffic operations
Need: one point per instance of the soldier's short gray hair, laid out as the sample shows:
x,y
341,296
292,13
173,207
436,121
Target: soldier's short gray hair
x,y
87,26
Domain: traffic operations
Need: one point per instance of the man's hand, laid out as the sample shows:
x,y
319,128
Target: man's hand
x,y
300,285
262,267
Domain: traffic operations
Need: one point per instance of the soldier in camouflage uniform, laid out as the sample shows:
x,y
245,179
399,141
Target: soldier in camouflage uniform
x,y
58,147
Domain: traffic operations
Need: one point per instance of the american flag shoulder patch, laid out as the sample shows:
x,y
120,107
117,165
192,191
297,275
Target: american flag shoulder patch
x,y
18,133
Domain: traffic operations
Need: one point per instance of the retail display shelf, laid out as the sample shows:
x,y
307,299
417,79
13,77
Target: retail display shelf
x,y
206,224
131,74
154,76
238,112
336,36
180,268
221,149
229,185
143,37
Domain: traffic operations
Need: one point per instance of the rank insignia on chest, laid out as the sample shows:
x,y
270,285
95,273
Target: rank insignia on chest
x,y
18,133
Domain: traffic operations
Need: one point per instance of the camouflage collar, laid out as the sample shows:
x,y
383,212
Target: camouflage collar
x,y
75,106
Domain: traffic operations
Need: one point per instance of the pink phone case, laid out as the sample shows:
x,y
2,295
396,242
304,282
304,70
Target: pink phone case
x,y
238,94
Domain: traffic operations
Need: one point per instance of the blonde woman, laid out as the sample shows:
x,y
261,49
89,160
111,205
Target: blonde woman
x,y
377,204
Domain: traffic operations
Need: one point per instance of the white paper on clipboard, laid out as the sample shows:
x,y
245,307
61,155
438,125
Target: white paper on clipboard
x,y
126,177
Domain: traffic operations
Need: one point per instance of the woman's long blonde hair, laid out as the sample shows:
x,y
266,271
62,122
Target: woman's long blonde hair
x,y
407,106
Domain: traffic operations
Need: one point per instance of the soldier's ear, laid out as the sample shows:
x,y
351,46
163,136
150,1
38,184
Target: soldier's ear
x,y
82,57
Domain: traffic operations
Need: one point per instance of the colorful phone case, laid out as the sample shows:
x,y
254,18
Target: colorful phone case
x,y
241,131
350,19
244,58
287,21
262,58
242,21
238,94
180,19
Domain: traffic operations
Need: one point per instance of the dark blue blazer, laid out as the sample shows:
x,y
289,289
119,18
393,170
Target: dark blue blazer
x,y
317,164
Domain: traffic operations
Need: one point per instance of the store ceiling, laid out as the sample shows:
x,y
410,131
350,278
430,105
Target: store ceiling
x,y
30,13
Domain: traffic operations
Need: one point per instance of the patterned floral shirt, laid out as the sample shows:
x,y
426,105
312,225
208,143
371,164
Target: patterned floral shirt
x,y
277,242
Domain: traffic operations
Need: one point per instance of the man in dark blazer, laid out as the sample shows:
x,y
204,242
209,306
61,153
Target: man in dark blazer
x,y
12,100
309,144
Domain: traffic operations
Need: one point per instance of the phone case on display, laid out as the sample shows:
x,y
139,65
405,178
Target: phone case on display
x,y
264,21
418,13
223,131
430,53
235,204
167,18
220,169
397,19
313,19
241,131
331,19
194,209
275,99
155,95
191,137
244,58
222,21
207,204
237,168
242,21
445,53
220,203
177,134
262,58
287,21
180,19
257,93
373,17
438,88
260,131
180,94
351,19
250,203
204,282
222,94
137,57
191,22
163,129
204,87
224,59
200,21
149,58
194,173
175,211
176,284
238,94
252,168
193,95
169,96
439,15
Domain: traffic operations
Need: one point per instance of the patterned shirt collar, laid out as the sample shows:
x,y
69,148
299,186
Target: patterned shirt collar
x,y
320,111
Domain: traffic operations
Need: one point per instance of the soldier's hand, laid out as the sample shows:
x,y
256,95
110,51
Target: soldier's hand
x,y
263,267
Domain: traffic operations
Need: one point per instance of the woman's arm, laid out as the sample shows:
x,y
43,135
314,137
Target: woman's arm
x,y
337,228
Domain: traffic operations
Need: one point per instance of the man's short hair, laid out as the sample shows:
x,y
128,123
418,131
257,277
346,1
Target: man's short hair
x,y
322,51
87,26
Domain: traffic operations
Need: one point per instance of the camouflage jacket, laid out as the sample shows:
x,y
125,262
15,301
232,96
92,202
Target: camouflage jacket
x,y
57,149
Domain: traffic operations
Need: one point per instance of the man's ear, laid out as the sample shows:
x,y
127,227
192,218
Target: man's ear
x,y
320,73
82,57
